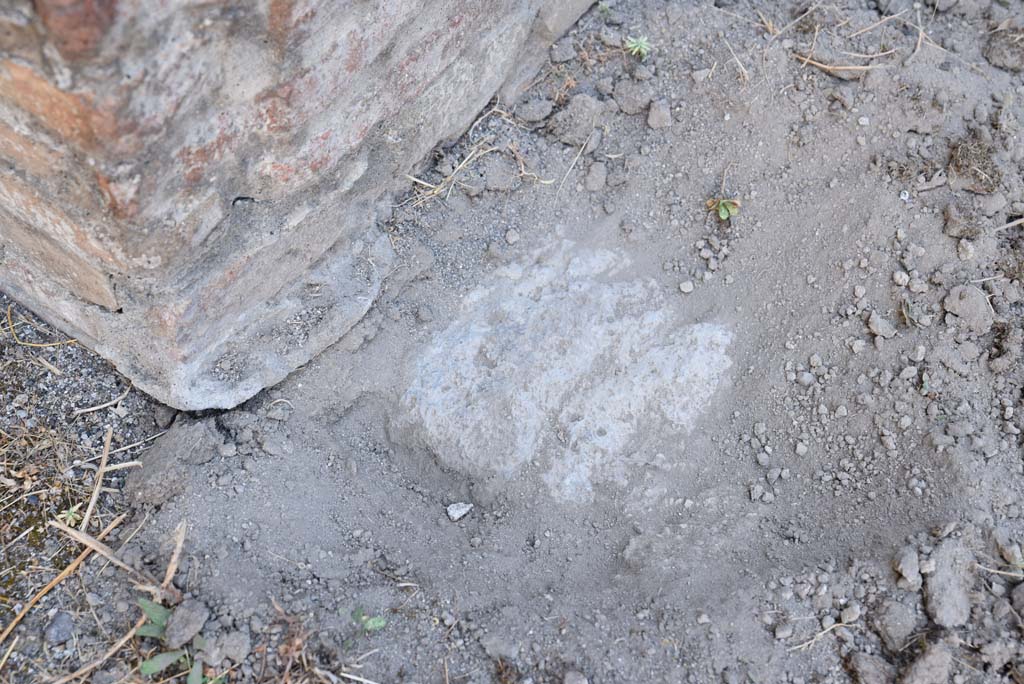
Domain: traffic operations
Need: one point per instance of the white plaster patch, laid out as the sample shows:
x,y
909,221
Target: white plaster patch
x,y
562,361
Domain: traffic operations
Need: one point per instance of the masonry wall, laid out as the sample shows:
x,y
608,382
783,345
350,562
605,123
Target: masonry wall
x,y
191,187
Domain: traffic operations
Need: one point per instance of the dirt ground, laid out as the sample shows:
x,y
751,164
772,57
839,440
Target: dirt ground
x,y
593,431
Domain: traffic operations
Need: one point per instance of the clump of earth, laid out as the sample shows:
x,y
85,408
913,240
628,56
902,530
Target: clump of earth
x,y
593,431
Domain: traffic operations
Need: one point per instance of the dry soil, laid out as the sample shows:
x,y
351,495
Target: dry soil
x,y
594,432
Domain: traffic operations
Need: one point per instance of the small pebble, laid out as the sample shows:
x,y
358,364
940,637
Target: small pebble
x,y
850,614
458,511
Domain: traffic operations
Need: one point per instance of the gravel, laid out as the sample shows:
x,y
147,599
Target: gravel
x,y
60,629
931,667
458,511
659,115
186,621
880,326
971,308
947,588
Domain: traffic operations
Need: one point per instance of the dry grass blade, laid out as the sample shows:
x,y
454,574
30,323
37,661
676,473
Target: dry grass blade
x,y
122,466
1004,573
574,161
37,345
98,484
873,55
48,366
144,581
878,23
793,23
814,44
740,16
334,678
1011,224
924,39
100,407
496,109
17,539
64,574
523,172
832,69
745,75
129,446
768,24
172,564
817,637
7,654
429,191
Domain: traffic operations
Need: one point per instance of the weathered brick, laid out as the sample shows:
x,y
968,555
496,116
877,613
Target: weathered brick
x,y
76,26
32,157
64,265
70,116
119,207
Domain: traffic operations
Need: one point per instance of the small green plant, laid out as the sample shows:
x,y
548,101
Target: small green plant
x,y
724,207
156,619
638,47
71,516
604,10
154,628
368,623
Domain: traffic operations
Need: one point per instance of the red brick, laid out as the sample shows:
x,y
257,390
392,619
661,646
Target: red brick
x,y
77,26
71,116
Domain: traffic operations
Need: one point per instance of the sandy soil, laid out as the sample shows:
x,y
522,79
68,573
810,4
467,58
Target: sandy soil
x,y
594,432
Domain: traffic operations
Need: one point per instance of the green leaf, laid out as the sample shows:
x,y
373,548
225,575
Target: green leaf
x,y
359,616
156,613
375,624
195,675
151,630
733,209
161,662
723,211
198,643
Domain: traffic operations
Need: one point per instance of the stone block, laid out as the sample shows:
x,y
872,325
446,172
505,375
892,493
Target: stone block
x,y
190,188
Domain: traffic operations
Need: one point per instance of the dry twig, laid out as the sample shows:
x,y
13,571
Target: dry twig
x,y
792,23
833,69
574,161
333,678
1011,224
128,446
7,654
172,564
98,484
521,161
876,24
143,581
817,637
1004,573
743,70
99,407
47,365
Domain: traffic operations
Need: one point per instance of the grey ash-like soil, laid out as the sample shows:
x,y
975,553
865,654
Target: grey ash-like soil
x,y
591,432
